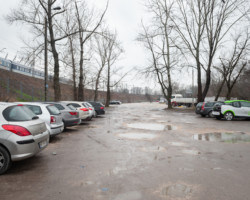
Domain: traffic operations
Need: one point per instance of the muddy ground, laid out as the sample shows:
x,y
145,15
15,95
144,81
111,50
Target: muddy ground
x,y
139,151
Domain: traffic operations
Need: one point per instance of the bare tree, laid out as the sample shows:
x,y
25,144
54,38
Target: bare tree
x,y
35,14
203,26
234,64
161,43
86,29
101,60
114,50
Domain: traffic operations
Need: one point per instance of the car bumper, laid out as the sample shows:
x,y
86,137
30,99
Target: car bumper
x,y
72,122
27,148
216,113
100,112
56,130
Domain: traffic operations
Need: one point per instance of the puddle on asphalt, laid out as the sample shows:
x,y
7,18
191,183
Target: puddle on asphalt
x,y
177,144
191,152
147,126
223,137
152,127
177,191
138,136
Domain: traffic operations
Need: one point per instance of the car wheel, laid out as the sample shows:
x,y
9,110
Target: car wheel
x,y
203,115
5,161
229,116
210,114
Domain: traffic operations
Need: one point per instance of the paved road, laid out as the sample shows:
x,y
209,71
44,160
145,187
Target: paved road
x,y
138,152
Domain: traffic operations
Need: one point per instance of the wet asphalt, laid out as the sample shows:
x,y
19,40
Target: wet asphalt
x,y
139,152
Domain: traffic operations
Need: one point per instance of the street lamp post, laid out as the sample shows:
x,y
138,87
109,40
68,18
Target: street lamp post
x,y
45,60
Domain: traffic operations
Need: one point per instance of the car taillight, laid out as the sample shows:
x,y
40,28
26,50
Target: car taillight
x,y
18,130
73,113
52,119
203,106
102,108
90,109
84,109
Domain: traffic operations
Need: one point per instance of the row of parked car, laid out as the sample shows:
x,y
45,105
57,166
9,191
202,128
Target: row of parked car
x,y
26,127
224,109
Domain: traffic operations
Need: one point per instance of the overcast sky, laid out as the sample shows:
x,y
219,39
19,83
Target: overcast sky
x,y
123,15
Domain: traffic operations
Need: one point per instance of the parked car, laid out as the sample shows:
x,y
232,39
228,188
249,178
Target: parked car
x,y
99,107
232,109
70,115
83,111
198,108
48,113
92,112
207,109
115,102
22,134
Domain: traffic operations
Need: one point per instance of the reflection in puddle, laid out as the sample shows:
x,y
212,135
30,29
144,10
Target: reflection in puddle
x,y
152,127
138,136
223,137
177,144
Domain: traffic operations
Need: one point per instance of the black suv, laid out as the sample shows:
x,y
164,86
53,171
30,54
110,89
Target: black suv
x,y
206,108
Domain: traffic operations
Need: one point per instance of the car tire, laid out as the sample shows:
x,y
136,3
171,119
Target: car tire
x,y
228,116
203,115
210,114
5,160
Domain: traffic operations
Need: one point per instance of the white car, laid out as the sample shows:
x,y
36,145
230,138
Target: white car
x,y
49,114
83,111
232,109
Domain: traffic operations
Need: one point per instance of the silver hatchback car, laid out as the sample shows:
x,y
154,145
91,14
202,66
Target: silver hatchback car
x,y
22,134
48,113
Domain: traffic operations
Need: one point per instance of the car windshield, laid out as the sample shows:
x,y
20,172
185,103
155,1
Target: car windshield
x,y
53,110
18,113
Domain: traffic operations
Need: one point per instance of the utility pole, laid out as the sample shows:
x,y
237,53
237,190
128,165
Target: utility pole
x,y
45,60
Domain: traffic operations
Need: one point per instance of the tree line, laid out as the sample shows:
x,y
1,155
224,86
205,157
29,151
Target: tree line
x,y
77,36
209,36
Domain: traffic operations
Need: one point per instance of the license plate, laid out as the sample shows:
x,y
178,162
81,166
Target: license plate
x,y
216,113
42,144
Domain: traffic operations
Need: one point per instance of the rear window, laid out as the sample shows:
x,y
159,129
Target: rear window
x,y
71,107
59,107
18,113
85,105
199,104
210,104
53,110
75,105
35,109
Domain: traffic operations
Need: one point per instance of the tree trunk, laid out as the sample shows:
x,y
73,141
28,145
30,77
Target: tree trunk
x,y
57,89
219,90
74,69
108,88
80,87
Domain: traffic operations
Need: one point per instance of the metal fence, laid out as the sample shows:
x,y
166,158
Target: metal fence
x,y
21,91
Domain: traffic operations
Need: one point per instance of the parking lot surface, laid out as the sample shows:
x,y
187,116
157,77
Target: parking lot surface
x,y
138,151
